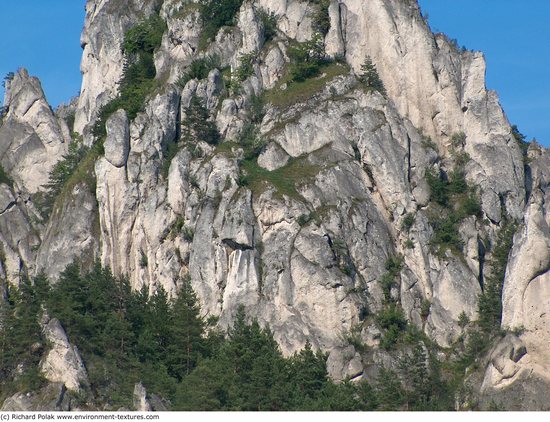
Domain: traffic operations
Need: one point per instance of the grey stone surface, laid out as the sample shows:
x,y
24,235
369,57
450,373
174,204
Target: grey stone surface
x,y
303,246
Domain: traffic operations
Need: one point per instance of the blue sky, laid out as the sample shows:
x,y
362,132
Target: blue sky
x,y
44,37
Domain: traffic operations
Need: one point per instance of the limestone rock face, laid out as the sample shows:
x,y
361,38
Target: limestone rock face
x,y
32,138
117,144
526,292
246,246
133,211
18,241
72,233
62,364
141,404
102,59
303,236
439,88
52,397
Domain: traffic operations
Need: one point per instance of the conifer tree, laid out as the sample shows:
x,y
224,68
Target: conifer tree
x,y
369,76
187,329
196,126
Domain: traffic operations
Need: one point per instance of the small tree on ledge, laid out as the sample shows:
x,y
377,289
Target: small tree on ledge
x,y
369,76
196,125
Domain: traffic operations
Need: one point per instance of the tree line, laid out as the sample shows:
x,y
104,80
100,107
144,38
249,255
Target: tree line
x,y
127,336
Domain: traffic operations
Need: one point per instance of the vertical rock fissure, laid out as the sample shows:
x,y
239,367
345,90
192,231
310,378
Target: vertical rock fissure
x,y
341,7
481,258
528,183
409,159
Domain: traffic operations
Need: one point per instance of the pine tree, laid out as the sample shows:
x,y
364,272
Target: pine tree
x,y
21,338
158,323
370,78
414,370
310,372
196,126
389,392
187,330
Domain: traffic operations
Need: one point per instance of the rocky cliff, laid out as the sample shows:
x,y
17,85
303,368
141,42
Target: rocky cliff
x,y
336,217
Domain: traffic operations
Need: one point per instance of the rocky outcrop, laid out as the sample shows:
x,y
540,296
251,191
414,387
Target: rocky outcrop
x,y
72,233
52,397
32,138
526,294
440,88
141,404
62,363
247,247
102,59
133,211
18,239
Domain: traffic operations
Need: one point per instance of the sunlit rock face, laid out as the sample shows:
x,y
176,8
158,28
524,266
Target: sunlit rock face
x,y
305,243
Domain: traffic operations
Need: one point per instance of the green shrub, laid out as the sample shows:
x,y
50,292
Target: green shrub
x,y
446,233
522,143
490,301
242,180
455,200
269,22
458,140
303,219
469,205
257,108
304,70
179,227
251,142
321,18
392,320
393,265
143,261
307,59
462,158
188,233
197,126
20,333
408,222
425,309
387,282
215,14
457,183
520,139
463,320
62,172
5,178
199,69
439,191
428,143
246,68
144,37
8,78
193,181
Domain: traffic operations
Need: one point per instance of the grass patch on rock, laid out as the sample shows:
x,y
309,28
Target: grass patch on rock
x,y
285,179
299,92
